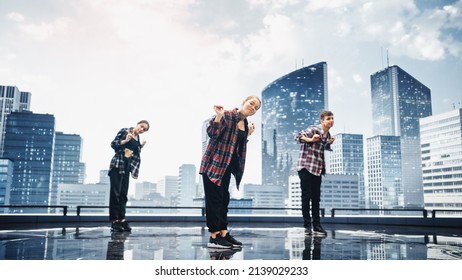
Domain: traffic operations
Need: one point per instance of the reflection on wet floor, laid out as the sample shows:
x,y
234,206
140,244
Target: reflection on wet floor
x,y
170,241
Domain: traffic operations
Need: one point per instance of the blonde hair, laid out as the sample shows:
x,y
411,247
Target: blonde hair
x,y
252,97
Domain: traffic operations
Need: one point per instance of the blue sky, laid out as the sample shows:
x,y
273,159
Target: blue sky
x,y
102,65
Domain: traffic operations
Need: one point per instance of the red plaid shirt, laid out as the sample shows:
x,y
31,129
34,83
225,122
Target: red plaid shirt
x,y
311,154
221,148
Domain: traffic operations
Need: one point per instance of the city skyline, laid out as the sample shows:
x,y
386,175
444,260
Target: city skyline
x,y
170,62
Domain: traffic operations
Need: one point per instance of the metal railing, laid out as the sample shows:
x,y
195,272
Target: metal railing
x,y
64,207
334,211
434,211
382,210
80,207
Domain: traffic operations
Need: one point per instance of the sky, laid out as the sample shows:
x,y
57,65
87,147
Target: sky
x,y
101,65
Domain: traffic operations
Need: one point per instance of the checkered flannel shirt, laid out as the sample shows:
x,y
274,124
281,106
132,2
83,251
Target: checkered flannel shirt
x,y
118,160
311,154
221,147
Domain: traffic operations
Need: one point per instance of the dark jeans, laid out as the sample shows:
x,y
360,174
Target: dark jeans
x,y
216,203
118,195
311,196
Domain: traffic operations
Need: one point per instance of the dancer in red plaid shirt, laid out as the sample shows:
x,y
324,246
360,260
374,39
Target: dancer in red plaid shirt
x,y
225,155
311,165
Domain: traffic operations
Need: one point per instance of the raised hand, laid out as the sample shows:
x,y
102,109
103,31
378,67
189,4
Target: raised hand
x,y
315,138
219,110
251,128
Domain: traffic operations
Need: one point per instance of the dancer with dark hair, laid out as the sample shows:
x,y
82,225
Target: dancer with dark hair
x,y
311,166
126,161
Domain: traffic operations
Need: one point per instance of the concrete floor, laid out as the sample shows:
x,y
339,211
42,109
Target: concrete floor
x,y
262,241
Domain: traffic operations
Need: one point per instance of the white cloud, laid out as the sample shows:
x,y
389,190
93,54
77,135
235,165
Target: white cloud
x,y
156,60
335,80
45,30
15,16
316,5
357,78
272,4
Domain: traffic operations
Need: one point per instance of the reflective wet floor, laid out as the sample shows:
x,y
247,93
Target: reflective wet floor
x,y
266,241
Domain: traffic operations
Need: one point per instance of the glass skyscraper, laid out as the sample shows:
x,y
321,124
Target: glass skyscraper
x,y
6,178
67,168
29,143
384,172
186,185
347,158
398,102
11,100
289,105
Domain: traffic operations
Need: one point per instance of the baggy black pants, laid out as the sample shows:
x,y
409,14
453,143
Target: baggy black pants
x,y
118,194
311,196
216,203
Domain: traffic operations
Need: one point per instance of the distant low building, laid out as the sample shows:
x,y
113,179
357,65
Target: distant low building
x,y
74,195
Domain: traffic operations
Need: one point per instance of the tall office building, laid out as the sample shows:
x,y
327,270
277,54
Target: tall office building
x,y
6,179
347,157
441,142
266,197
11,100
337,191
144,189
74,195
289,105
168,187
384,188
186,185
29,142
398,102
67,167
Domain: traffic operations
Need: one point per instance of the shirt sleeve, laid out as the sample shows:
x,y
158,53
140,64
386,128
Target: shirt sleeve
x,y
304,133
115,144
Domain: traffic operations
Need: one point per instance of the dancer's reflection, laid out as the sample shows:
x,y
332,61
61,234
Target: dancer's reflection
x,y
313,247
222,254
115,247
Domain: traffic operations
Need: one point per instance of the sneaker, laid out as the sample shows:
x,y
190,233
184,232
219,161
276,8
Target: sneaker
x,y
221,254
318,230
116,227
219,242
125,226
308,231
231,240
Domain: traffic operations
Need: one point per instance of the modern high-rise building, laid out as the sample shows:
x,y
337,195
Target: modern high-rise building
x,y
337,191
6,179
347,157
441,142
384,190
289,105
144,189
74,195
29,143
168,187
186,185
266,197
398,102
11,100
67,167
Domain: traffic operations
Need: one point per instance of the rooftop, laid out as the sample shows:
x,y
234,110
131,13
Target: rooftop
x,y
264,238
